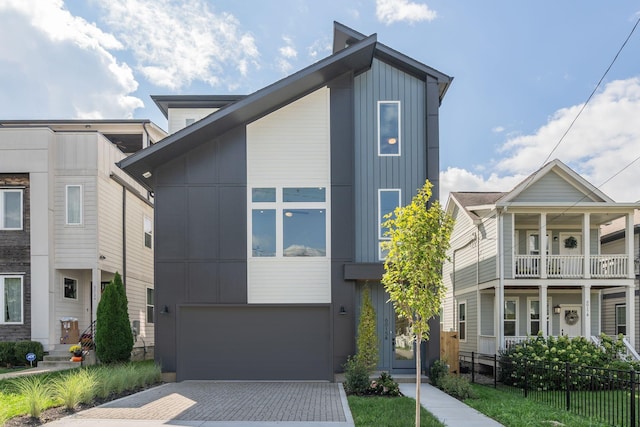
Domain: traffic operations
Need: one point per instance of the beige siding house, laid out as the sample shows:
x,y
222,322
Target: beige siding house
x,y
84,220
505,282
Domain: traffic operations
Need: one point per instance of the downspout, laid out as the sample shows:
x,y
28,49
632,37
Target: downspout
x,y
124,237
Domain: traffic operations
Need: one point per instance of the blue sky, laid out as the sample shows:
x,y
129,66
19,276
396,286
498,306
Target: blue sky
x,y
522,70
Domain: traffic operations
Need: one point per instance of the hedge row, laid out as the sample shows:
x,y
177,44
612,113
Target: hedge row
x,y
14,353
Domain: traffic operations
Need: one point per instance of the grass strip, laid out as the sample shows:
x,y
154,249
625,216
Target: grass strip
x,y
378,411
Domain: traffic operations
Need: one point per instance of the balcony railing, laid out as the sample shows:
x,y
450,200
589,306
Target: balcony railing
x,y
572,266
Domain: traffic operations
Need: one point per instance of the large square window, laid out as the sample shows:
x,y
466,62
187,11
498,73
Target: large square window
x,y
10,209
304,232
264,233
11,299
70,288
74,204
389,128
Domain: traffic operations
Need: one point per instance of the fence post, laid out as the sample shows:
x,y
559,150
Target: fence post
x,y
473,366
495,371
632,383
526,378
567,383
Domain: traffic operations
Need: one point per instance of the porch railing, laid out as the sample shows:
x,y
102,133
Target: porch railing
x,y
487,344
572,266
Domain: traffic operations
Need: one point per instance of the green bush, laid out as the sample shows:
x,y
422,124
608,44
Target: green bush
x,y
7,354
456,386
384,385
23,347
367,344
356,377
437,371
114,340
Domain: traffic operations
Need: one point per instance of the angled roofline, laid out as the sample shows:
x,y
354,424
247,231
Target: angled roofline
x,y
356,59
590,190
164,102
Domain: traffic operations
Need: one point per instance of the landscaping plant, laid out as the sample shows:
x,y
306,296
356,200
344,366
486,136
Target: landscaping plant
x,y
36,392
367,343
438,370
114,339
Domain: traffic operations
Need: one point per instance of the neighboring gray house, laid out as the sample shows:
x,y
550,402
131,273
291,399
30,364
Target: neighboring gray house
x,y
268,214
498,273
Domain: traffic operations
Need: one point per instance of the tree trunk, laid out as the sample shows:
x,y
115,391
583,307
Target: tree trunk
x,y
418,378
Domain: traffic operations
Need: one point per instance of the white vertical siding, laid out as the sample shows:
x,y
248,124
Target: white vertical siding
x,y
177,116
290,148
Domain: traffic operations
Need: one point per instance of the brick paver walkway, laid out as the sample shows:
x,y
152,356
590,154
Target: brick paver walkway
x,y
228,401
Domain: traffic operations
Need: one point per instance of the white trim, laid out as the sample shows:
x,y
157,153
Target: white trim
x,y
517,313
466,319
76,290
2,283
3,191
66,204
146,218
147,305
549,314
615,325
380,219
399,128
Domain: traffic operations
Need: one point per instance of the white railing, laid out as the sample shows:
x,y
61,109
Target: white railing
x,y
487,344
511,341
572,266
631,352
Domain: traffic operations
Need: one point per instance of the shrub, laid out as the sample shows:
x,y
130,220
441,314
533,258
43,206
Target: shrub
x,y
367,344
384,385
114,339
75,387
456,386
24,347
437,371
356,377
36,392
7,353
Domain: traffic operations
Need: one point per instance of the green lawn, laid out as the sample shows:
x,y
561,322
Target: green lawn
x,y
378,411
7,370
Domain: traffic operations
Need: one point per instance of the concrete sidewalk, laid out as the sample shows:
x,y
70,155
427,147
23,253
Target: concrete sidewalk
x,y
447,409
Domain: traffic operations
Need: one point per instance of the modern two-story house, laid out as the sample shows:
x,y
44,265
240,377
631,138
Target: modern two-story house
x,y
531,261
268,214
70,219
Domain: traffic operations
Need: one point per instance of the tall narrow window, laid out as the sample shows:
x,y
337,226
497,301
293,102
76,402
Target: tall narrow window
x,y
389,128
148,237
11,299
462,321
10,209
535,322
621,319
388,201
150,305
510,317
74,204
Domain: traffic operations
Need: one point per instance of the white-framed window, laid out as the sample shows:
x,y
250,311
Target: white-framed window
x,y
10,209
533,243
74,204
462,321
511,316
288,222
533,316
11,299
388,128
70,288
150,304
388,201
621,319
148,232
441,316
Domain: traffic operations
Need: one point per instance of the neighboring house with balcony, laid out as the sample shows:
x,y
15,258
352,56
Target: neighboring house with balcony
x,y
269,209
69,220
505,282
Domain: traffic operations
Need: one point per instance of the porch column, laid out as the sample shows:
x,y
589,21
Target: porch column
x,y
631,318
586,244
543,246
586,311
543,308
628,239
500,287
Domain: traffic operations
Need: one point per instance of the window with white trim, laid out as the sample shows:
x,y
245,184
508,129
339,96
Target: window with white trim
x,y
621,319
388,128
510,316
70,286
148,230
388,201
288,222
462,320
533,316
74,204
10,209
11,300
150,304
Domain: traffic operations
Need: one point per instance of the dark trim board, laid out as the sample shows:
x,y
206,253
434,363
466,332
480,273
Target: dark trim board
x,y
254,342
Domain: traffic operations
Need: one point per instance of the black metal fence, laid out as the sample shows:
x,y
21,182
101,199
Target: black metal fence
x,y
610,395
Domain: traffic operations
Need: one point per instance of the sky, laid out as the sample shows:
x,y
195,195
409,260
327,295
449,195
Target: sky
x,y
522,70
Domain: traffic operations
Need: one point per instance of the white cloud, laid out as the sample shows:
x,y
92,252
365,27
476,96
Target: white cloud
x,y
498,129
176,42
288,51
390,11
604,140
55,62
322,46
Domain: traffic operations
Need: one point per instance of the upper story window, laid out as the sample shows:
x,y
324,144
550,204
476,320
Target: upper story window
x,y
388,201
11,299
388,128
148,230
74,204
288,222
10,209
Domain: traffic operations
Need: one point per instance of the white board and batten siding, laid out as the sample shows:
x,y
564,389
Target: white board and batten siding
x,y
177,117
290,148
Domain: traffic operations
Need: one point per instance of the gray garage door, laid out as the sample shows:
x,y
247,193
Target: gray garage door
x,y
253,343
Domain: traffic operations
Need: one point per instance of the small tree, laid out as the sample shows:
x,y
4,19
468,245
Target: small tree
x,y
367,344
114,339
419,239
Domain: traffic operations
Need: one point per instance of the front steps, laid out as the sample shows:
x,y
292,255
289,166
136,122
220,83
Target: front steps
x,y
60,358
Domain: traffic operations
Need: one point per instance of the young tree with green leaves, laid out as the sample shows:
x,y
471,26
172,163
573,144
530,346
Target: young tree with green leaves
x,y
367,344
114,339
419,239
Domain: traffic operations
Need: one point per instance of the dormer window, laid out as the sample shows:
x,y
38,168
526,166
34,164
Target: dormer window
x,y
388,128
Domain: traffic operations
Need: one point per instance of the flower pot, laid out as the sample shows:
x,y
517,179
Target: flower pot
x,y
76,358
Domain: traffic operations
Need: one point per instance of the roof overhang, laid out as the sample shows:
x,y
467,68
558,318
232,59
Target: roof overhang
x,y
165,102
